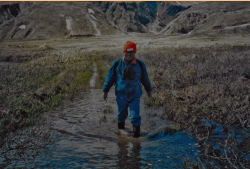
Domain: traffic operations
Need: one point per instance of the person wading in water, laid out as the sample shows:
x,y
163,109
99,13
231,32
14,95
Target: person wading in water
x,y
128,73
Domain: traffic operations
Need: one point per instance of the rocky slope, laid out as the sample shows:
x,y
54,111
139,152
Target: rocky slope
x,y
212,17
39,20
43,20
142,16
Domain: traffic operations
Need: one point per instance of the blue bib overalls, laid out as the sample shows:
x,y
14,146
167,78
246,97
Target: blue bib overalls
x,y
128,91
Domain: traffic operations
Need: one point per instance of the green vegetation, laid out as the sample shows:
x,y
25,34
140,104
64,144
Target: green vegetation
x,y
177,127
101,71
44,83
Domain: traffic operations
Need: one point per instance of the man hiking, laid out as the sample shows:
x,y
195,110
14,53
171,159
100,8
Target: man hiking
x,y
127,74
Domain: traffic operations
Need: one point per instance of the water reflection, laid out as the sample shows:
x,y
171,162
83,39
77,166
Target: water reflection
x,y
163,150
84,142
129,154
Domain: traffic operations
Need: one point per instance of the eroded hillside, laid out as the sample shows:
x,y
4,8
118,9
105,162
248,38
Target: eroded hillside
x,y
40,20
212,17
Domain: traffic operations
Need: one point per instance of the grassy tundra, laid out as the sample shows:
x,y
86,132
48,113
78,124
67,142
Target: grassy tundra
x,y
40,84
190,83
199,85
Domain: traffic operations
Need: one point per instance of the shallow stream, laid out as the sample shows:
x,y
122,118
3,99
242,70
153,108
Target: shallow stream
x,y
87,137
88,140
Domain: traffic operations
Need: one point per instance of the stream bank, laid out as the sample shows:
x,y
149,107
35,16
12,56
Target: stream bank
x,y
85,135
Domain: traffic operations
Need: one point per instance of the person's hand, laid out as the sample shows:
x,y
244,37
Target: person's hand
x,y
105,95
149,94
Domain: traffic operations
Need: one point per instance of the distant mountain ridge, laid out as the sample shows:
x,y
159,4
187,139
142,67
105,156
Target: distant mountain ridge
x,y
212,17
145,16
41,20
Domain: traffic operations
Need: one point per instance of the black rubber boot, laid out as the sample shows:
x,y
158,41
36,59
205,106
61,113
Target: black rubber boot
x,y
136,130
121,125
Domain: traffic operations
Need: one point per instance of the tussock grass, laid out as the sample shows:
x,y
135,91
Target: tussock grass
x,y
181,89
41,84
199,85
46,82
182,78
176,74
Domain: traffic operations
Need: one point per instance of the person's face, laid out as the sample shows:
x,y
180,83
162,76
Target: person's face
x,y
129,56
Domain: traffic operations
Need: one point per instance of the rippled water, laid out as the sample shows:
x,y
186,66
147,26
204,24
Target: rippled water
x,y
87,137
87,140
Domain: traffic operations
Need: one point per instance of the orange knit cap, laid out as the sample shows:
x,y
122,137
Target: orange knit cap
x,y
129,46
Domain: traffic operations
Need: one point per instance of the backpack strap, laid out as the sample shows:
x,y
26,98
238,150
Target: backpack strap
x,y
142,73
116,64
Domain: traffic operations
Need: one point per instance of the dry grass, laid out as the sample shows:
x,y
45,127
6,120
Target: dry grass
x,y
180,86
212,84
189,82
208,83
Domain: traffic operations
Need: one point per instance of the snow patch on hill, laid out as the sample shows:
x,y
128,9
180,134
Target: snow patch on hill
x,y
237,26
22,27
91,11
69,23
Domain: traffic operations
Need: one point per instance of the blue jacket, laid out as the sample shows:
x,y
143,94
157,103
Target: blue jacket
x,y
127,89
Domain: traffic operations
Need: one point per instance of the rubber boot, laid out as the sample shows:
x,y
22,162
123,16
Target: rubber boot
x,y
121,125
136,130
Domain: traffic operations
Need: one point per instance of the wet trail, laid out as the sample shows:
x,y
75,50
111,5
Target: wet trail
x,y
88,137
7,64
88,140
